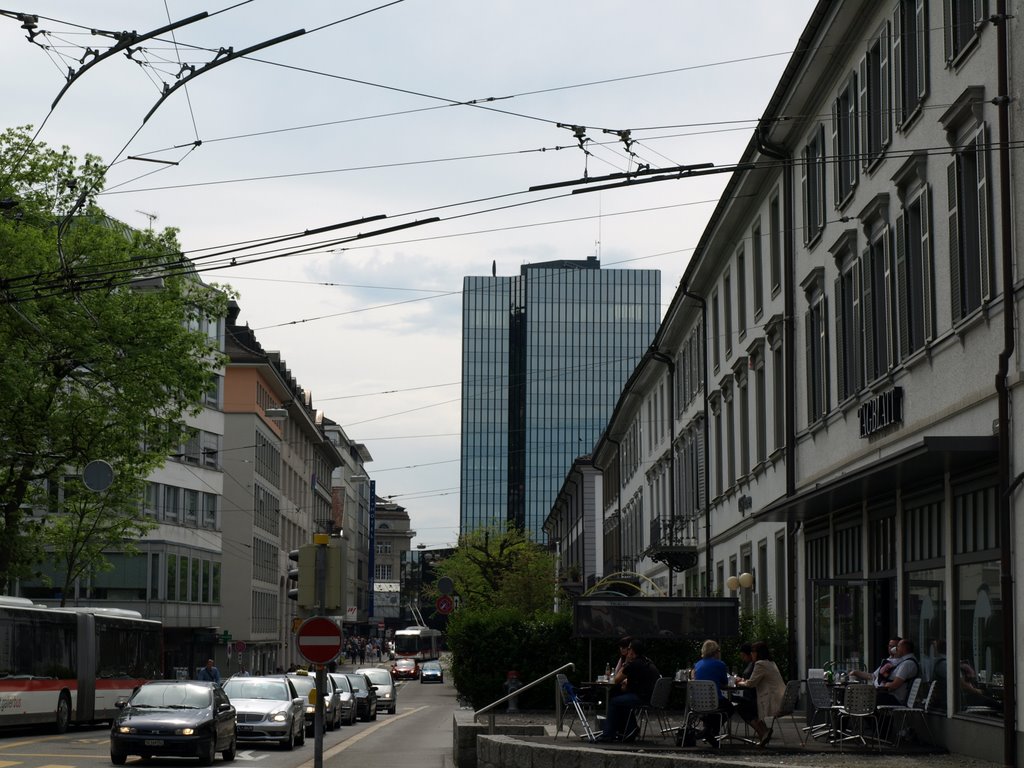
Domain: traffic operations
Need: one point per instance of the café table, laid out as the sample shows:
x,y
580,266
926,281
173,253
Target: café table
x,y
734,692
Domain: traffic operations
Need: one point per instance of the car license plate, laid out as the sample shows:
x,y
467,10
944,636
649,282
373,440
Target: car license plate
x,y
154,742
245,729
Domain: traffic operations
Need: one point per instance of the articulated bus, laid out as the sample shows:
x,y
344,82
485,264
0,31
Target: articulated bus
x,y
420,643
71,665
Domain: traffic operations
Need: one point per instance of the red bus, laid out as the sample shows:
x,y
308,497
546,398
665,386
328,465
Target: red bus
x,y
70,665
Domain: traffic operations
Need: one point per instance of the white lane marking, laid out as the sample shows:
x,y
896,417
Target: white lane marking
x,y
248,755
339,748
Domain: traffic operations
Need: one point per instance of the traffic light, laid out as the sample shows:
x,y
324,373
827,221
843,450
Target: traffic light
x,y
303,574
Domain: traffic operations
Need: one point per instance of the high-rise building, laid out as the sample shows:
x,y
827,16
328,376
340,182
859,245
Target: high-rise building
x,y
544,356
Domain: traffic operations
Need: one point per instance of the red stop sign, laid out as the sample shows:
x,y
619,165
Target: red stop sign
x,y
319,640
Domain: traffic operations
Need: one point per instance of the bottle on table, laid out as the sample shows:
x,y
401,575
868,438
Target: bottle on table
x,y
608,672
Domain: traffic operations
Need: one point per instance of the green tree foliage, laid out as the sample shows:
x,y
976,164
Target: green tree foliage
x,y
93,368
493,567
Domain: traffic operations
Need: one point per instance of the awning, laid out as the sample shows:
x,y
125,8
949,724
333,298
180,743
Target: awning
x,y
932,457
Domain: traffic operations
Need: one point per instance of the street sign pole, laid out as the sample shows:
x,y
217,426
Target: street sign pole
x,y
320,539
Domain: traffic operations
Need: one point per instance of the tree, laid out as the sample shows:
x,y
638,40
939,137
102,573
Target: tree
x,y
94,368
501,567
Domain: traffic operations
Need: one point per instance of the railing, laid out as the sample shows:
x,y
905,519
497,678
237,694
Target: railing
x,y
489,709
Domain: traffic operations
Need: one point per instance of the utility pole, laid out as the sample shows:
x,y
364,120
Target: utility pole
x,y
320,540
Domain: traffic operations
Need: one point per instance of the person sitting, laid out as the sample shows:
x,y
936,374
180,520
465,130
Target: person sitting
x,y
896,688
711,667
636,680
767,681
885,666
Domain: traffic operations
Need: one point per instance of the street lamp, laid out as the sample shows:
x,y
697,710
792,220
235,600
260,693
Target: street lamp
x,y
743,581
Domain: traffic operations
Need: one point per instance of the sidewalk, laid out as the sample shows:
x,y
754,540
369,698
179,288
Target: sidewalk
x,y
816,754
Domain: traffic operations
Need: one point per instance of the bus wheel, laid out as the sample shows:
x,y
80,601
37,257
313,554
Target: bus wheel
x,y
63,713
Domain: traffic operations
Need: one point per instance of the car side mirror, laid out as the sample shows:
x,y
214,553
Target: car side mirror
x,y
121,703
224,707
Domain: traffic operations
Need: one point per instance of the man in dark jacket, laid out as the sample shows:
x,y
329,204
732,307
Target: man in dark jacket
x,y
636,680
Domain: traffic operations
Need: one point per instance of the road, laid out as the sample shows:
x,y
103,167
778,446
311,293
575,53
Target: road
x,y
419,734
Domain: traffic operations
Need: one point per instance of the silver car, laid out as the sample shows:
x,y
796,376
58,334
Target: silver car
x,y
306,683
267,709
387,691
346,698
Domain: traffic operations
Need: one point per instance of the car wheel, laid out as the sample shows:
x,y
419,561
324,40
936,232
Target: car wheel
x,y
208,753
63,713
288,742
373,716
118,758
352,717
229,753
300,739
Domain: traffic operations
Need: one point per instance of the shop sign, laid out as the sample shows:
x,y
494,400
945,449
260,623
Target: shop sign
x,y
881,412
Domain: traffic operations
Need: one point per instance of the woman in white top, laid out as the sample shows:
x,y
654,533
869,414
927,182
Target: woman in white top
x,y
771,688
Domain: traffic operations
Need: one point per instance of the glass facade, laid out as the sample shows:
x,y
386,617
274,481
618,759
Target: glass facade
x,y
545,356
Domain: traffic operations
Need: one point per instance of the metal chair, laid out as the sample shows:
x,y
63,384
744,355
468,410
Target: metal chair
x,y
912,710
893,712
859,707
821,702
660,697
701,700
575,708
786,710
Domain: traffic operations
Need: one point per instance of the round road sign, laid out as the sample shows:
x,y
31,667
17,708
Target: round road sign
x,y
319,640
444,604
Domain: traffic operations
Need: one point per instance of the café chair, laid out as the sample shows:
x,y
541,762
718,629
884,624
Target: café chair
x,y
701,700
891,713
787,709
821,705
859,707
574,708
902,714
660,698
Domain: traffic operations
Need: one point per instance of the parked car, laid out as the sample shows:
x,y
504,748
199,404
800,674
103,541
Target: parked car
x,y
387,691
268,709
304,684
431,672
366,696
175,718
346,698
405,669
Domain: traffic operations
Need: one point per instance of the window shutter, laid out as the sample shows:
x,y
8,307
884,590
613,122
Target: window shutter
x,y
954,242
841,347
809,357
837,153
886,337
885,86
857,332
862,109
927,265
898,83
902,305
923,33
821,179
949,34
851,125
824,355
702,471
984,225
868,315
804,170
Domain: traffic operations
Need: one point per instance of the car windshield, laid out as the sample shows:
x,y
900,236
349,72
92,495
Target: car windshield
x,y
377,676
358,683
303,684
405,663
342,682
177,696
254,688
431,666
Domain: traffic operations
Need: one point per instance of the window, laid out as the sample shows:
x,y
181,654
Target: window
x,y
844,140
875,303
191,506
743,398
383,547
172,503
909,58
727,313
172,577
756,254
969,226
914,275
962,22
760,395
775,243
778,397
812,171
849,378
210,510
874,102
382,572
716,337
719,453
816,347
741,293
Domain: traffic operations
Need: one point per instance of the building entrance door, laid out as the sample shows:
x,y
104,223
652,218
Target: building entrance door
x,y
849,620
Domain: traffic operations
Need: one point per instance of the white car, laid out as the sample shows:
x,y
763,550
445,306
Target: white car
x,y
387,691
267,709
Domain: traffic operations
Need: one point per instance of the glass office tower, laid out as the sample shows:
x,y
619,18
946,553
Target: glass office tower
x,y
545,355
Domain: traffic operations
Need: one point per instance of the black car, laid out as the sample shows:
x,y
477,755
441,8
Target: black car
x,y
177,718
366,695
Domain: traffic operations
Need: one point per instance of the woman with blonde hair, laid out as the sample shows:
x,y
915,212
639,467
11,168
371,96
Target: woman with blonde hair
x,y
767,681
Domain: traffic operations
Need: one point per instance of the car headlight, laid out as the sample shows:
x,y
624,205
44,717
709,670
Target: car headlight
x,y
185,732
279,717
385,695
125,729
310,709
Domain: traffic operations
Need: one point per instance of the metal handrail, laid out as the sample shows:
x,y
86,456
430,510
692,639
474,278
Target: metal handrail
x,y
490,707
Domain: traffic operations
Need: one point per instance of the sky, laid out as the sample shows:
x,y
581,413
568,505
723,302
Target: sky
x,y
410,109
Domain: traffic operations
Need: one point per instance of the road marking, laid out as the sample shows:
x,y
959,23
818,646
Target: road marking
x,y
338,749
55,765
7,763
246,755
